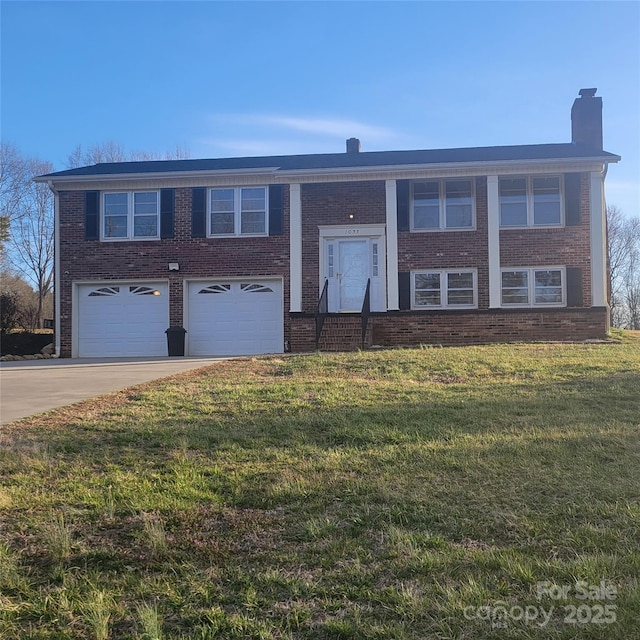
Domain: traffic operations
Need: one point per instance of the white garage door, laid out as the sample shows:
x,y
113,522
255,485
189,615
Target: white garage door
x,y
235,317
122,320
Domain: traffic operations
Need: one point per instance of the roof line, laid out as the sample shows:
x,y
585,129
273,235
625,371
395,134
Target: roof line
x,y
354,170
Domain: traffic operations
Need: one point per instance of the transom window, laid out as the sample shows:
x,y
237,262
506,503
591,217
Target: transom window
x,y
131,215
238,211
444,289
533,287
442,204
533,201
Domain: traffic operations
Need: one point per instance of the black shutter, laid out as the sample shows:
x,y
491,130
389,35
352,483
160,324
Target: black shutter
x,y
276,210
167,212
572,199
403,200
404,290
199,212
574,287
92,215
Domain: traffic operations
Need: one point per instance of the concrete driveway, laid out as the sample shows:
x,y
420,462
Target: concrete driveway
x,y
30,387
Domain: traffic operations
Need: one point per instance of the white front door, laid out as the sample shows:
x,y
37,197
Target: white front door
x,y
353,271
348,264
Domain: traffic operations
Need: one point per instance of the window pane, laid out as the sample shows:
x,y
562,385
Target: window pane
x,y
426,217
253,222
460,288
115,226
426,191
374,260
546,212
222,200
116,204
546,201
426,205
548,287
513,202
253,210
462,280
427,298
145,226
460,297
145,202
427,289
427,281
253,199
459,215
513,214
515,287
221,223
513,188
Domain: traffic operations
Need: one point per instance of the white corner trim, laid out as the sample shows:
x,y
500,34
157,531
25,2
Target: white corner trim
x,y
598,241
493,242
393,296
295,248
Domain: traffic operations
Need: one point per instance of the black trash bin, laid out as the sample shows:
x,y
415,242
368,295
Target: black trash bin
x,y
175,340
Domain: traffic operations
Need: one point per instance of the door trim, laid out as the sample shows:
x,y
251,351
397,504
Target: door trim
x,y
370,232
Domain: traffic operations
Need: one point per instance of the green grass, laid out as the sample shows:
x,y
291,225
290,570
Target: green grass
x,y
403,494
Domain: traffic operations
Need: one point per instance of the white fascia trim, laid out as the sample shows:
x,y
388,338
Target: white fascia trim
x,y
369,172
475,168
159,175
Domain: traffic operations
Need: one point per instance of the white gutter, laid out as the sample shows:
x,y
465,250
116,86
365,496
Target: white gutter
x,y
154,175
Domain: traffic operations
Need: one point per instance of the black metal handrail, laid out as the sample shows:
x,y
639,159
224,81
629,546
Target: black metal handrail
x,y
322,311
366,311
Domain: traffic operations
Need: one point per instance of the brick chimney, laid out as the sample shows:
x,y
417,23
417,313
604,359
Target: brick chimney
x,y
353,145
586,119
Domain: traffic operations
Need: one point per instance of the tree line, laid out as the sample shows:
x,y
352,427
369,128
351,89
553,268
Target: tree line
x,y
27,238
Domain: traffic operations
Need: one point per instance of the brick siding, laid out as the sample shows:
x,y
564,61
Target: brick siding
x,y
87,260
333,204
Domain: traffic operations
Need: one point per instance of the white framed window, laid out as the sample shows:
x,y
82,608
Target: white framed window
x,y
444,289
238,211
534,287
531,201
440,205
131,215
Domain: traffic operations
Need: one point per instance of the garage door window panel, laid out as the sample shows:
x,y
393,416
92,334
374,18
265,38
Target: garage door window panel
x,y
256,288
216,288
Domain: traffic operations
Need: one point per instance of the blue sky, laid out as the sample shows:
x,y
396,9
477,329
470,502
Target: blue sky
x,y
260,78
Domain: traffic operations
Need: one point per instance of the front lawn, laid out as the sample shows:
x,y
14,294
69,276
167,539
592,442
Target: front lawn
x,y
477,492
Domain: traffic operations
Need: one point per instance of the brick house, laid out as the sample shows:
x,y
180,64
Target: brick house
x,y
267,254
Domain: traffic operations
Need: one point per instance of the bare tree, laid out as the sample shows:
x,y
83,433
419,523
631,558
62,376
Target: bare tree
x,y
31,242
111,151
623,245
14,183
